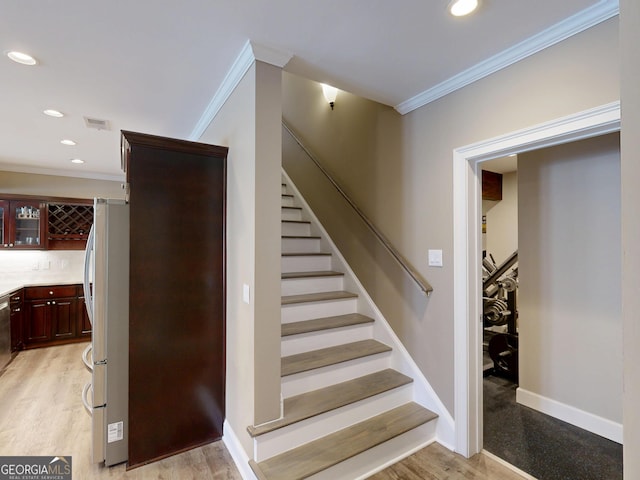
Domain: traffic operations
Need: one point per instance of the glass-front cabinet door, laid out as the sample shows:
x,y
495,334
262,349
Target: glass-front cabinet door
x,y
4,221
27,224
22,225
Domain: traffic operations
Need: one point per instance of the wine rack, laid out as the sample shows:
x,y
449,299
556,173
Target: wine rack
x,y
68,223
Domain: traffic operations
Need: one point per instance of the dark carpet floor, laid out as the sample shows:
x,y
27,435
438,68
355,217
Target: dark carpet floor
x,y
542,446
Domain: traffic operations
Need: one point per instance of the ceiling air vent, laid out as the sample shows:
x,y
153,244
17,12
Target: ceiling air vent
x,y
96,123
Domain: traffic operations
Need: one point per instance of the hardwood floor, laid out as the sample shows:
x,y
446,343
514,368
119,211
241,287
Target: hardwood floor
x,y
437,463
41,413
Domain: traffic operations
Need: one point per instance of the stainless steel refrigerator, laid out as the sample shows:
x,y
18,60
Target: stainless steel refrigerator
x,y
106,290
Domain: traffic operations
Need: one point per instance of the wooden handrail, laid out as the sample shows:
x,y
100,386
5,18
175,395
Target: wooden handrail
x,y
403,262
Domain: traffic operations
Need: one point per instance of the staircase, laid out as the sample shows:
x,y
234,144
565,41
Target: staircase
x,y
347,411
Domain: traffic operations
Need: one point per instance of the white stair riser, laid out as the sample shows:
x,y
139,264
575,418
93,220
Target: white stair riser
x,y
306,311
291,214
306,264
375,459
294,344
323,377
288,202
278,441
284,189
296,228
298,286
300,245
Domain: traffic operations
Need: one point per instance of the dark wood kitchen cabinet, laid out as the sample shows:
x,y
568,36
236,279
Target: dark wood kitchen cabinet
x,y
177,195
53,315
68,224
22,225
50,223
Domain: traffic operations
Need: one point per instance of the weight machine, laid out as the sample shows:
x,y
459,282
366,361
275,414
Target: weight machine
x,y
499,292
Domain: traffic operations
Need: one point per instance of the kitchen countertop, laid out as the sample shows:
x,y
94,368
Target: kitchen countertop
x,y
10,287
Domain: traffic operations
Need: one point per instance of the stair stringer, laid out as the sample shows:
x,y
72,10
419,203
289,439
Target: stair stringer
x,y
401,360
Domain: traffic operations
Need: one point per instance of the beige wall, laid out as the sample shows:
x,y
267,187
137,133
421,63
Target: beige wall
x,y
58,186
249,125
569,273
630,145
403,181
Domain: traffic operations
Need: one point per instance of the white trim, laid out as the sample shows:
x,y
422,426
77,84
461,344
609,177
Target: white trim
x,y
587,18
6,167
423,391
249,54
240,457
466,250
270,55
567,413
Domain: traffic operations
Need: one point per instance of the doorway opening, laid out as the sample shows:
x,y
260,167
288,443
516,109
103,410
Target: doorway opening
x,y
550,318
468,251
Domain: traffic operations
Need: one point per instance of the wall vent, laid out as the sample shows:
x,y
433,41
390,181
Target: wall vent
x,y
96,123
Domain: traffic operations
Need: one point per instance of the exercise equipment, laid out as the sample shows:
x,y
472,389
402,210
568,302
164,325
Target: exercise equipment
x,y
500,285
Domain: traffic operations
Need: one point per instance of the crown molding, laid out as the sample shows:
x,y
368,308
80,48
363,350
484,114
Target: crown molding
x,y
601,11
251,52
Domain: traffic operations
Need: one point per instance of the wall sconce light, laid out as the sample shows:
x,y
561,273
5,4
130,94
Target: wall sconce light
x,y
460,8
330,93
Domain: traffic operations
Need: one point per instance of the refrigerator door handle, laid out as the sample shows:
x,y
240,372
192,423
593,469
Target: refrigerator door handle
x,y
87,280
85,358
85,400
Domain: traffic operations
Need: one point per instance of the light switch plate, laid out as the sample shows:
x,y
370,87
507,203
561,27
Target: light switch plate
x,y
246,293
435,258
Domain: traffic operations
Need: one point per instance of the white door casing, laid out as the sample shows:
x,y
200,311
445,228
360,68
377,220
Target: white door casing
x,y
467,246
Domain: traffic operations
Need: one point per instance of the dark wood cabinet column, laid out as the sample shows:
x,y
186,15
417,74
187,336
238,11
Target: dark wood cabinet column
x,y
177,193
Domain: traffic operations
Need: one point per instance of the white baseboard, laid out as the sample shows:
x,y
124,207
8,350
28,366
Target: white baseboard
x,y
585,420
240,457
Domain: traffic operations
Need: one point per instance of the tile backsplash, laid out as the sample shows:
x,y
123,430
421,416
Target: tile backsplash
x,y
41,266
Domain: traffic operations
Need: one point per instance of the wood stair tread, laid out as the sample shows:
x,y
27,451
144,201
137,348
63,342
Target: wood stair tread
x,y
295,221
292,208
310,404
317,297
306,254
303,362
325,323
320,273
316,456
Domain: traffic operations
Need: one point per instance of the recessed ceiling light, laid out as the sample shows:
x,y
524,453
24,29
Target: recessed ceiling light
x,y
460,8
22,58
66,141
53,113
77,160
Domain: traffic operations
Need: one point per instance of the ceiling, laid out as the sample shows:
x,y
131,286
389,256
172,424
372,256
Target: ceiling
x,y
154,66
